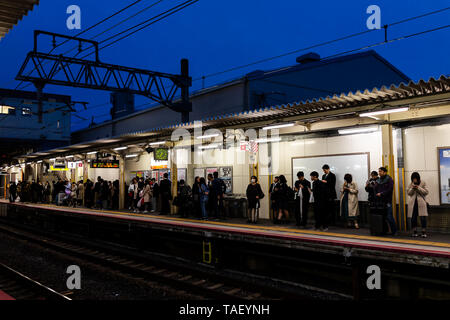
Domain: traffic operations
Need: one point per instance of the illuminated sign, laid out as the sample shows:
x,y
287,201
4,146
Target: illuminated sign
x,y
161,154
59,165
108,164
74,165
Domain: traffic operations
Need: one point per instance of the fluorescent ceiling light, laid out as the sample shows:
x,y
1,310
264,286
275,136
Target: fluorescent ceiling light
x,y
40,161
120,148
157,143
375,113
68,157
93,152
210,146
28,163
279,125
265,140
52,159
208,136
358,130
131,156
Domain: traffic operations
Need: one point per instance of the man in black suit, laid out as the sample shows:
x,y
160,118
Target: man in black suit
x,y
165,190
302,187
329,178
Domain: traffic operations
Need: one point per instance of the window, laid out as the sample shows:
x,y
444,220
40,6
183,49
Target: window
x,y
7,110
26,112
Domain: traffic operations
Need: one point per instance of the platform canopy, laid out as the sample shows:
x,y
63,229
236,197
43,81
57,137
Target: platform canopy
x,y
346,104
12,11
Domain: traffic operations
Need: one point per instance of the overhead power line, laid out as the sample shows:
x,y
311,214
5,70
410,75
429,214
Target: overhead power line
x,y
144,24
319,45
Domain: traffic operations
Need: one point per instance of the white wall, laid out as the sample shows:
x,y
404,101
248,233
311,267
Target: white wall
x,y
420,148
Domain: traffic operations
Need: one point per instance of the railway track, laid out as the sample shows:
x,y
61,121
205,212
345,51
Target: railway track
x,y
21,287
142,270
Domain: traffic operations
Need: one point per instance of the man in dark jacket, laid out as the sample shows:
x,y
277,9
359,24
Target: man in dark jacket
x,y
370,186
165,190
273,198
320,195
301,188
384,189
329,179
219,190
12,192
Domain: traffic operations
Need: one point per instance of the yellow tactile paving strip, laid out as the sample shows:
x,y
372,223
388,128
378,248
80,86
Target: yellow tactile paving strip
x,y
256,227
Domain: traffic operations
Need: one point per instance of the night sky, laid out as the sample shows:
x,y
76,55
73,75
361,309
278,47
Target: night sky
x,y
217,35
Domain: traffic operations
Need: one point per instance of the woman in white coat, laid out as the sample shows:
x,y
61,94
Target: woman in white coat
x,y
349,201
417,204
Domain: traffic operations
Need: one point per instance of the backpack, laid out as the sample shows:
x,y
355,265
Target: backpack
x,y
290,193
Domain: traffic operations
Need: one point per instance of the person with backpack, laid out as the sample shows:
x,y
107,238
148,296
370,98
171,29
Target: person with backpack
x,y
184,195
254,194
204,194
283,194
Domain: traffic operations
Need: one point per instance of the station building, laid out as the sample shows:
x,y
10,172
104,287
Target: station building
x,y
397,123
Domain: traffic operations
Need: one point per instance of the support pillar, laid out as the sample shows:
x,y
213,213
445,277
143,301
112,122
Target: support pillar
x,y
121,183
85,170
403,225
388,162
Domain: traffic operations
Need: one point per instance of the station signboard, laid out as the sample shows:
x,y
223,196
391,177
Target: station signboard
x,y
59,165
105,164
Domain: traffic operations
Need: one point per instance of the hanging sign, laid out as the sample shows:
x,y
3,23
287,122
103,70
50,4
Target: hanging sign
x,y
106,164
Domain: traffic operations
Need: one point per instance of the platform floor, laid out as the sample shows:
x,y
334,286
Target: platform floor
x,y
435,244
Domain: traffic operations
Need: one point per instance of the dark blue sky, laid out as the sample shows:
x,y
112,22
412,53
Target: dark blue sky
x,y
217,35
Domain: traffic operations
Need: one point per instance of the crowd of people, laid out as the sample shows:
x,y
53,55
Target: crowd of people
x,y
205,199
102,194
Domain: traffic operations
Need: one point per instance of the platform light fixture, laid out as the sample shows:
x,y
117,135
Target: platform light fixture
x,y
266,140
377,113
209,146
208,136
120,148
68,157
52,159
158,143
279,126
40,161
131,156
358,130
93,152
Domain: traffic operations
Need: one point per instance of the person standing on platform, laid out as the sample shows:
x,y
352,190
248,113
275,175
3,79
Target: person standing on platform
x,y
281,191
383,191
204,195
115,195
147,196
254,194
165,189
370,186
329,179
212,197
302,195
417,204
319,198
155,195
218,186
349,201
196,197
184,194
12,192
133,192
273,198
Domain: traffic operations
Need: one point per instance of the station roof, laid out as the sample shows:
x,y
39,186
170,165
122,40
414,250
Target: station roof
x,y
12,11
375,96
